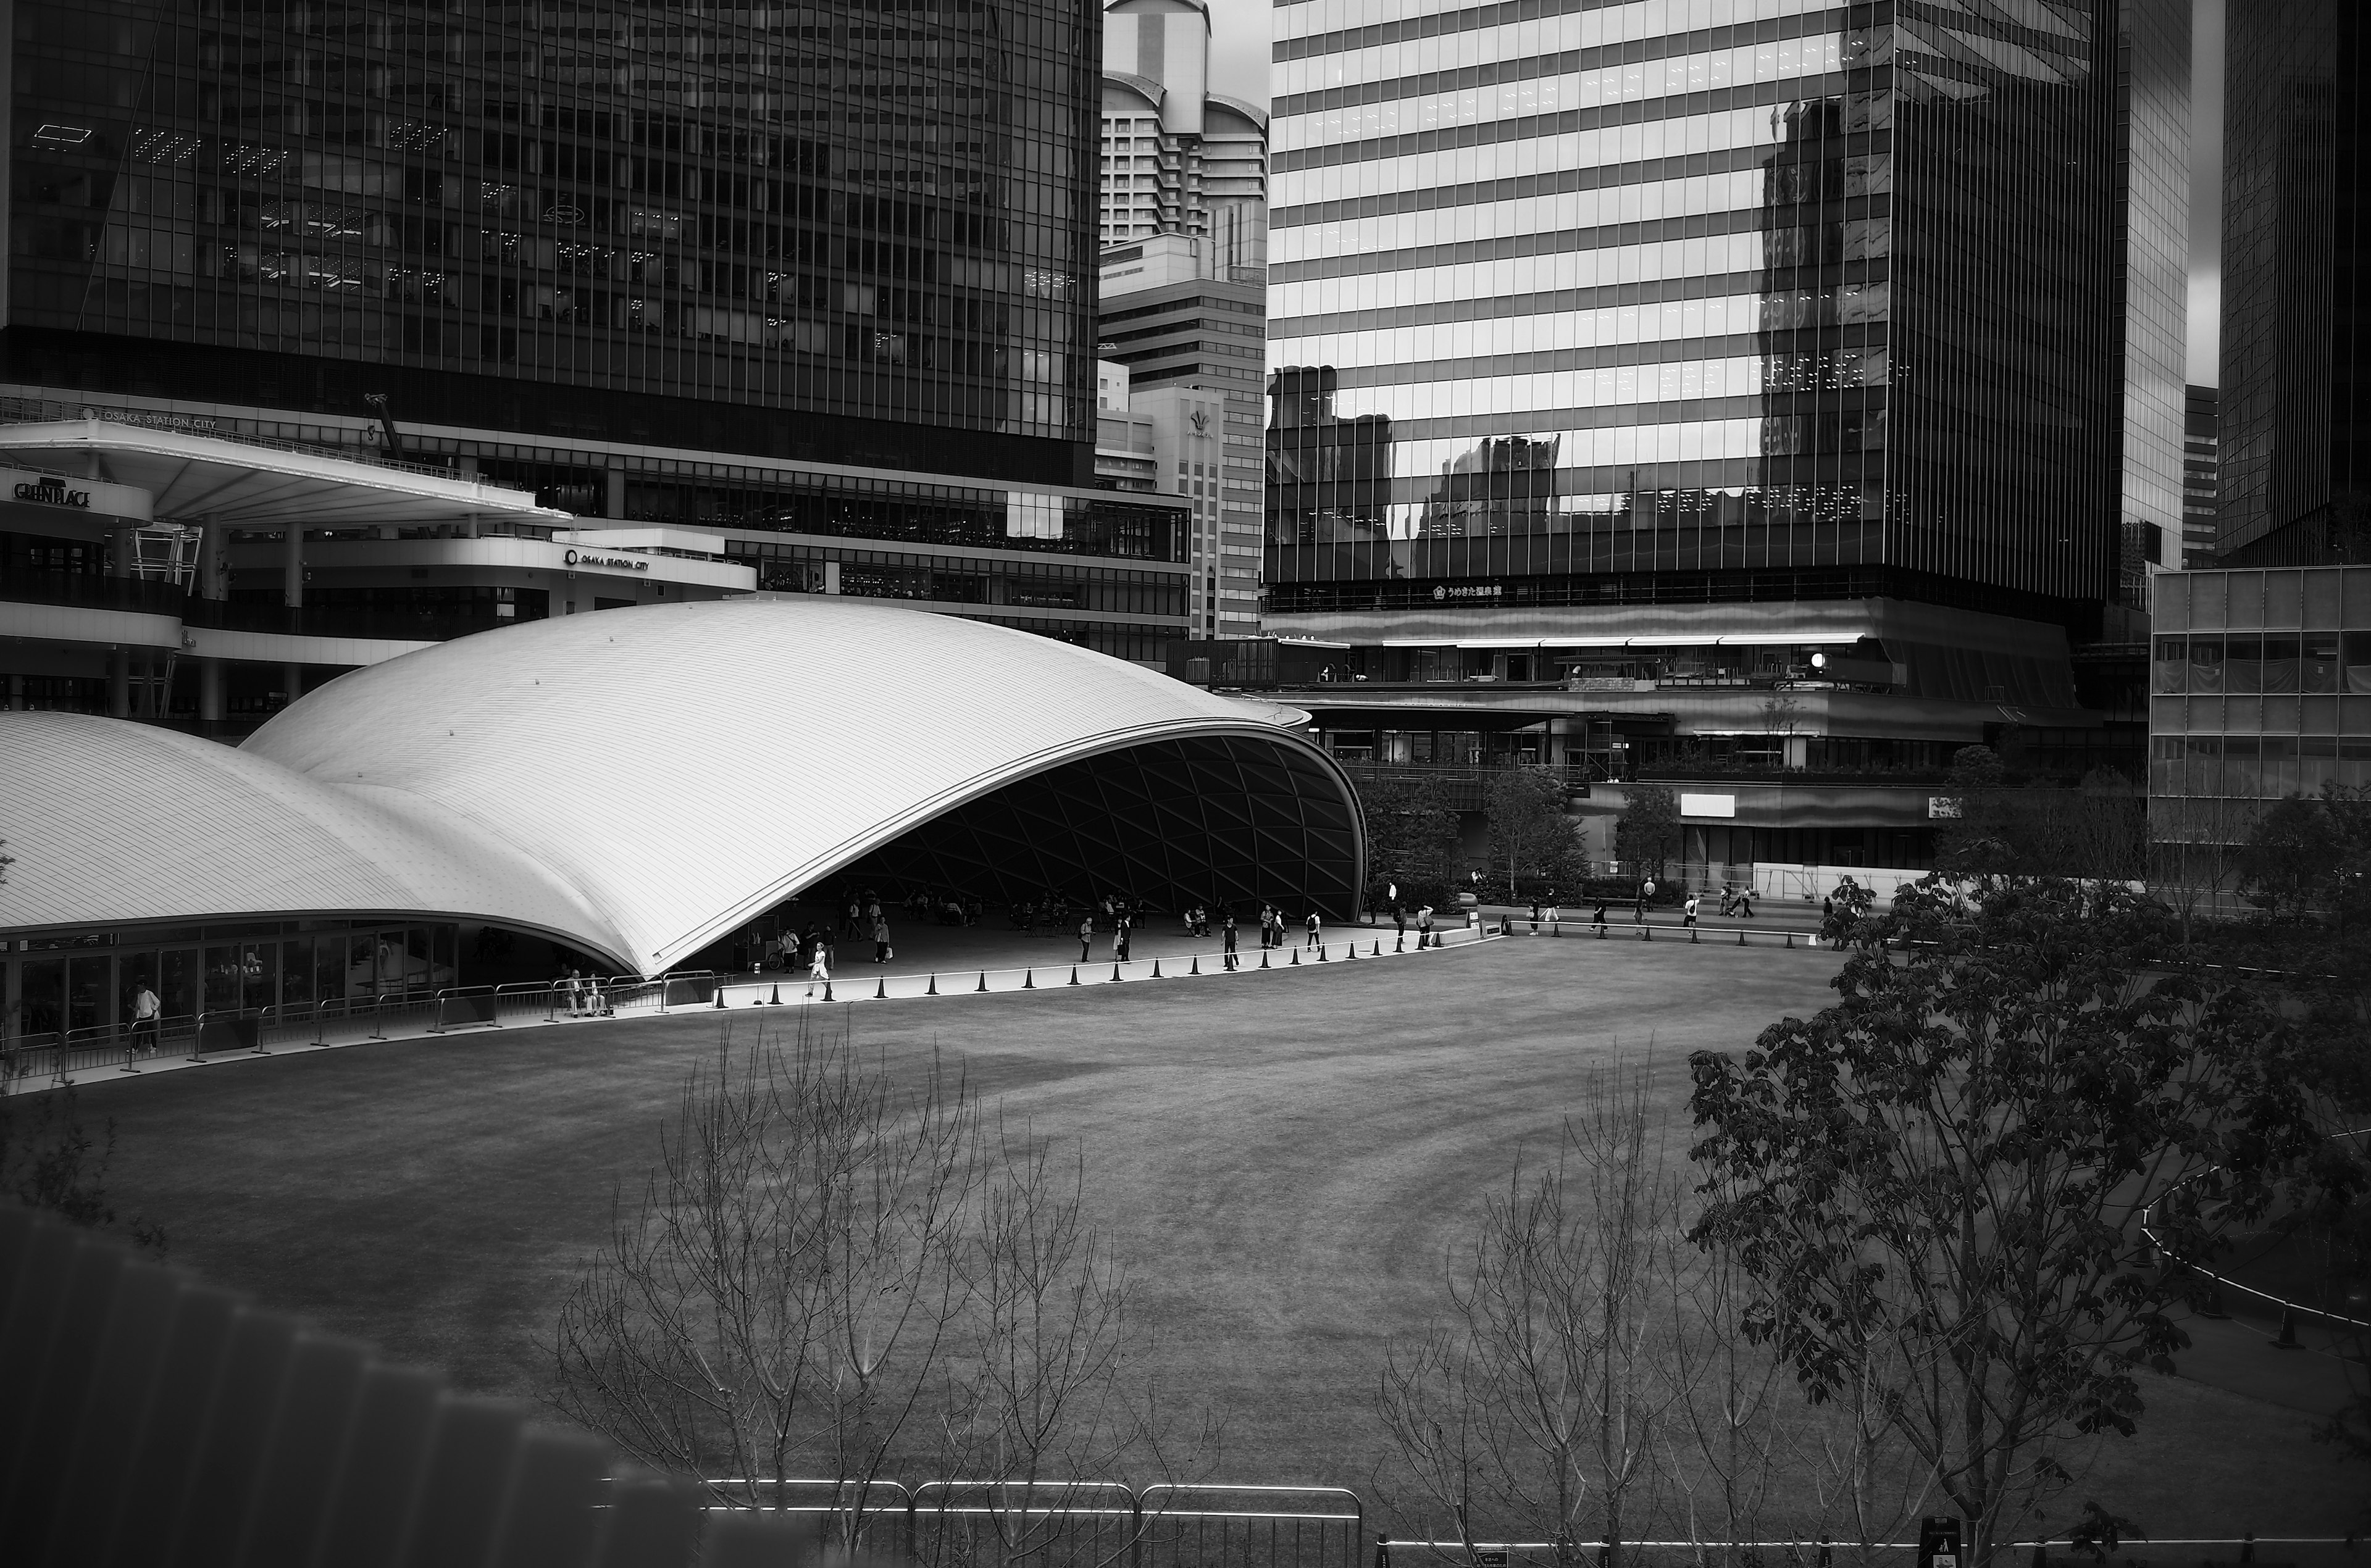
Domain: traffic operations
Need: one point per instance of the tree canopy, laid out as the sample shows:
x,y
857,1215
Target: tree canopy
x,y
1647,832
1412,840
1529,834
1933,1182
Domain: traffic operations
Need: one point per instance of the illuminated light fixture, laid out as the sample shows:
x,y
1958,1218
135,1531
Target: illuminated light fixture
x,y
61,135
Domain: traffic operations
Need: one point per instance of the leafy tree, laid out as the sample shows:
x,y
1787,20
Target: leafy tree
x,y
1529,834
2283,863
1932,1182
1412,840
1647,833
50,1160
2097,830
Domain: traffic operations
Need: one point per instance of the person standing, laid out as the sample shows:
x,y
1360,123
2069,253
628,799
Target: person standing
x,y
1086,937
1424,927
1316,931
820,964
881,951
1688,911
848,927
1228,933
1399,917
1555,911
146,1010
1121,928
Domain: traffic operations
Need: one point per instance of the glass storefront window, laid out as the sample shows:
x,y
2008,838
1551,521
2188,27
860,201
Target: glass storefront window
x,y
2318,662
180,989
329,960
42,983
86,990
2171,665
2165,765
296,972
2240,776
224,983
2169,602
2283,599
2317,761
2356,606
2206,602
258,969
2245,605
2321,598
2355,655
2243,663
2206,664
2277,774
2280,664
2353,762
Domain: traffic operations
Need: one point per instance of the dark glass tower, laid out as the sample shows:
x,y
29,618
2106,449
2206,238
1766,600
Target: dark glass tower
x,y
1817,302
856,234
2295,420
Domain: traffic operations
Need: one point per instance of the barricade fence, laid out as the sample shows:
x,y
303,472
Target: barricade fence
x,y
124,1442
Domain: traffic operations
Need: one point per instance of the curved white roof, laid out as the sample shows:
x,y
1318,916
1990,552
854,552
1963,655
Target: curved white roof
x,y
676,769
111,822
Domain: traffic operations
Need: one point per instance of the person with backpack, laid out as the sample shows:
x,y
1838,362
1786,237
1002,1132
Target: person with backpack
x,y
1316,931
1688,913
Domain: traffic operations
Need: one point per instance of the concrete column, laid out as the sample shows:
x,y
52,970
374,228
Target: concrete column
x,y
613,497
119,683
469,526
209,691
15,693
292,680
292,566
213,561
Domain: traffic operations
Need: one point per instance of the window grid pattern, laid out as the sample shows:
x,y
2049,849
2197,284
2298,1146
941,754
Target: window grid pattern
x,y
877,210
1705,285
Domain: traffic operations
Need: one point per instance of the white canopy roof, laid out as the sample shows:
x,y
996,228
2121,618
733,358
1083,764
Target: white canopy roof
x,y
642,782
256,483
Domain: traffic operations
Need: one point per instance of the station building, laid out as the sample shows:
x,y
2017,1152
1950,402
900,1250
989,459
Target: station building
x,y
583,789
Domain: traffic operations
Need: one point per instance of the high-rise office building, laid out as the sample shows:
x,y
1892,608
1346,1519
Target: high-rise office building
x,y
1185,229
1736,375
817,284
1188,328
2200,478
1178,159
1748,298
2296,386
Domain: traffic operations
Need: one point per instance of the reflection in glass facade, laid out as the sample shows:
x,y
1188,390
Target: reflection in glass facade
x,y
855,233
1719,299
2295,418
2259,687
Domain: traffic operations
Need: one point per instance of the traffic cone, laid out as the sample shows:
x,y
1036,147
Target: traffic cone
x,y
1740,938
1197,968
1029,979
1156,969
983,983
826,990
777,997
1295,961
1074,975
1399,943
1378,948
1555,928
719,996
1321,952
881,990
1693,938
934,987
1790,941
2288,1340
1115,979
1263,958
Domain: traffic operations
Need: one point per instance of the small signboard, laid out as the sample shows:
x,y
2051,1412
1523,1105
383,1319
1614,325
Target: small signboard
x,y
1489,1557
1938,1543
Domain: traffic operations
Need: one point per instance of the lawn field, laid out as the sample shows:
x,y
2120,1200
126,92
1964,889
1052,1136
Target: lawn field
x,y
1281,1159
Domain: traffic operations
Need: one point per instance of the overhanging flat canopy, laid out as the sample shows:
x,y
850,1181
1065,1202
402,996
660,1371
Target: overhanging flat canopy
x,y
257,484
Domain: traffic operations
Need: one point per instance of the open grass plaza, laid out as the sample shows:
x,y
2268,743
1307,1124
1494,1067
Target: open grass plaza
x,y
1289,1168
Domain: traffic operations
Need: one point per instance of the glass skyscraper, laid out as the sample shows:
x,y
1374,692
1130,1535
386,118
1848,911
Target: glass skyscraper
x,y
817,279
2295,418
1701,301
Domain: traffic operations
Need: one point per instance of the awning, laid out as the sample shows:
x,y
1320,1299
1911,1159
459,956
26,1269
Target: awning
x,y
249,483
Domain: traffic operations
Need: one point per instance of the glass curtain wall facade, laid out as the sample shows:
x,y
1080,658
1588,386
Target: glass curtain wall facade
x,y
2153,161
854,233
2295,420
1700,299
2260,689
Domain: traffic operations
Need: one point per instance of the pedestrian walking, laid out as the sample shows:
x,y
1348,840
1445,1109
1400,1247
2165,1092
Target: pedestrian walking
x,y
1086,937
1399,917
1229,930
848,927
1639,910
1123,926
1597,919
1828,907
146,1010
1745,901
1535,912
882,951
820,964
1689,911
1316,930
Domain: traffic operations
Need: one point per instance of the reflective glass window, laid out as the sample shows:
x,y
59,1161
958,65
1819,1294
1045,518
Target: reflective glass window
x,y
2205,663
2170,669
